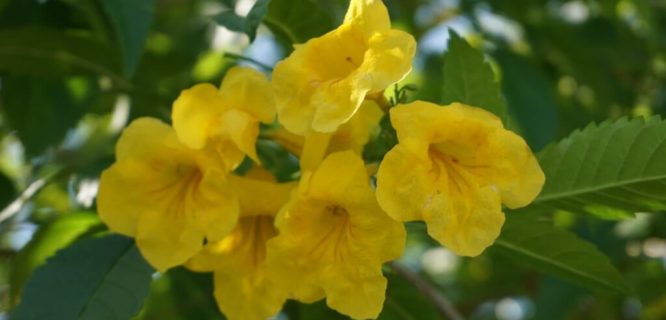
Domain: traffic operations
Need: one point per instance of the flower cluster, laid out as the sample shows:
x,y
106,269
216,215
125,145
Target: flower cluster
x,y
174,187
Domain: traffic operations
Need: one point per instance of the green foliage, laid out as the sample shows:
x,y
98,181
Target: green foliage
x,y
54,53
469,79
610,170
131,20
530,97
296,21
30,105
50,238
248,24
95,279
558,252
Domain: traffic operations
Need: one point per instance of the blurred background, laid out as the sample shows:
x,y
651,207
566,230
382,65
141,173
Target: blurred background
x,y
69,83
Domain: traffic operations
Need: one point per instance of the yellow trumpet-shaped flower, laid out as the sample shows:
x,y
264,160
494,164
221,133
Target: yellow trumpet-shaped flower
x,y
324,81
454,166
352,135
333,238
169,197
243,288
225,120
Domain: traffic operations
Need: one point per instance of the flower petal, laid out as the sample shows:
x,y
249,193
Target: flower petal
x,y
167,240
251,297
468,225
249,91
387,61
369,16
403,196
196,114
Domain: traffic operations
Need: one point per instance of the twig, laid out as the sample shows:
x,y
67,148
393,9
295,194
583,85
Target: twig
x,y
15,206
443,305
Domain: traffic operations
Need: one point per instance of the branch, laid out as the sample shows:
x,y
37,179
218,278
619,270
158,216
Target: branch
x,y
15,206
441,303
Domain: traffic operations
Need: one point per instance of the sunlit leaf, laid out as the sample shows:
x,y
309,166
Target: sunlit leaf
x,y
469,79
610,170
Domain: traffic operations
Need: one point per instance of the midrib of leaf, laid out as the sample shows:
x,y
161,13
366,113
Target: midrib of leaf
x,y
597,188
103,280
554,263
465,79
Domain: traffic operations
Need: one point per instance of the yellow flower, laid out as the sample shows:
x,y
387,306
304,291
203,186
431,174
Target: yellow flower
x,y
167,196
324,81
352,135
333,239
243,289
453,168
225,120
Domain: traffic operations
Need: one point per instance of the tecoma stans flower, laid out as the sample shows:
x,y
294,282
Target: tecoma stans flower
x,y
353,135
225,120
453,167
324,81
243,289
169,197
333,238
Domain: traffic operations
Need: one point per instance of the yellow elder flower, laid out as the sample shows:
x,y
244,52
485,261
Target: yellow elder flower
x,y
243,289
352,135
324,81
167,196
454,166
333,238
225,120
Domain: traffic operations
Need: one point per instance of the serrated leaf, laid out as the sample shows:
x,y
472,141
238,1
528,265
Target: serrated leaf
x,y
248,24
103,278
131,20
610,170
469,79
44,244
296,21
558,252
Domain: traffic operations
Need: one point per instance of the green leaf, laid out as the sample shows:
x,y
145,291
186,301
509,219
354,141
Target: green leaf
x,y
248,24
558,252
41,110
610,170
103,278
47,240
531,99
277,160
296,21
54,53
7,190
469,79
131,20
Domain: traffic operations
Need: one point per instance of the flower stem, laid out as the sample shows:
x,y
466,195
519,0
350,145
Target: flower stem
x,y
441,303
